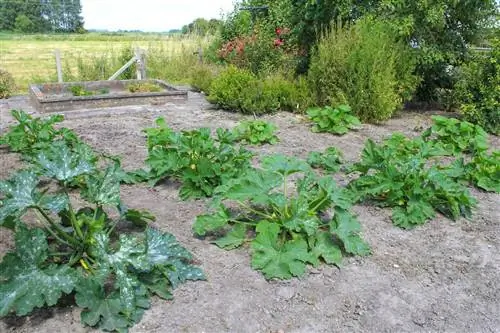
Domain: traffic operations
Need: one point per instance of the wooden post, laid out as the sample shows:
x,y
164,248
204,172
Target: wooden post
x,y
140,67
58,66
200,55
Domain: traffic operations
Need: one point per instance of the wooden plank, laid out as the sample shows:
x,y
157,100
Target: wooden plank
x,y
57,53
123,68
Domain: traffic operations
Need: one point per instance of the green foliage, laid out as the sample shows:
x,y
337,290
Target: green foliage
x,y
288,225
202,77
7,84
24,24
397,173
256,132
484,171
29,279
239,90
80,91
478,89
201,162
455,136
441,30
329,160
41,16
33,134
229,87
336,121
364,66
112,274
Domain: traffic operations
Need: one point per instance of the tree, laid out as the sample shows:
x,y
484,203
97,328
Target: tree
x,y
41,15
24,24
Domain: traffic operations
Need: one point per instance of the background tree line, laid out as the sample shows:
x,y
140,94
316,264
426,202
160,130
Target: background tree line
x,y
202,27
29,16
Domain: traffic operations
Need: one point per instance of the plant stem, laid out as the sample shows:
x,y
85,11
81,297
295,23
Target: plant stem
x,y
59,230
243,222
264,215
74,222
285,194
319,204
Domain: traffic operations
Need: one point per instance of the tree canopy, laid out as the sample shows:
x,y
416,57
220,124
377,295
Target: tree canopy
x,y
41,16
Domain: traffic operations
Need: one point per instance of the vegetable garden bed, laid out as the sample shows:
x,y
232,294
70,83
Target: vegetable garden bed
x,y
54,97
441,276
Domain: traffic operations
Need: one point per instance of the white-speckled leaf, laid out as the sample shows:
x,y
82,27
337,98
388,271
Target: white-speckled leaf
x,y
26,284
61,163
21,193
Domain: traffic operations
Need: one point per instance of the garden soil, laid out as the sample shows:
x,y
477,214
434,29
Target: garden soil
x,y
440,277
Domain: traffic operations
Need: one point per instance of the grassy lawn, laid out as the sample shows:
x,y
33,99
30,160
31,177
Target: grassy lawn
x,y
31,58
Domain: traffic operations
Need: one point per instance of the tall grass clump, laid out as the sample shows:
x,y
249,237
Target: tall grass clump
x,y
364,66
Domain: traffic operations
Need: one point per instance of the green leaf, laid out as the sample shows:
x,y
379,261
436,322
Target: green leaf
x,y
59,162
21,193
103,189
275,259
284,165
415,213
107,311
27,282
254,185
140,218
323,247
345,226
211,222
234,238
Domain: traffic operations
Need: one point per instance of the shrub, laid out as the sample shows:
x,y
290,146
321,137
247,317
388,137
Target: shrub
x,y
201,77
7,85
363,66
241,90
229,87
478,89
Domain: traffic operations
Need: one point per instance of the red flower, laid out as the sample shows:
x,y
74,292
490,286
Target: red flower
x,y
278,42
278,31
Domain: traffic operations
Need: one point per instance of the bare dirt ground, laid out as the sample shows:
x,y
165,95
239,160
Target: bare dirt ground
x,y
441,277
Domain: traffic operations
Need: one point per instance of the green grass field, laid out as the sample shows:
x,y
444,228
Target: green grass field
x,y
31,58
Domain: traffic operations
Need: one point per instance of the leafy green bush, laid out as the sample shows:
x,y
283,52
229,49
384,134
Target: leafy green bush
x,y
239,90
365,67
229,88
329,160
336,121
201,162
7,84
478,89
256,132
287,225
81,251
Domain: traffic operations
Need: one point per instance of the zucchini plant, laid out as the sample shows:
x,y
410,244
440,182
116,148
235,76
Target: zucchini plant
x,y
400,173
81,249
255,132
289,224
329,160
31,135
337,120
200,161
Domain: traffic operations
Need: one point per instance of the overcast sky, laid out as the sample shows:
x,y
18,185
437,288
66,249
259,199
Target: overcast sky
x,y
149,15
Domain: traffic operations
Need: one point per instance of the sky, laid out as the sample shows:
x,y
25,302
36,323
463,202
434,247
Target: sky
x,y
149,15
